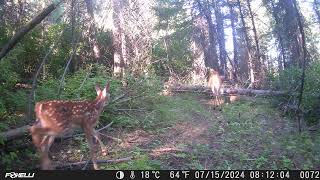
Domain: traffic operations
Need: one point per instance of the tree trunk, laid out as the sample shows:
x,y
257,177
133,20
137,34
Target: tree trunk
x,y
304,60
257,62
73,10
28,27
118,64
250,59
221,36
254,31
290,32
278,33
93,32
211,60
212,45
235,43
124,45
316,8
198,48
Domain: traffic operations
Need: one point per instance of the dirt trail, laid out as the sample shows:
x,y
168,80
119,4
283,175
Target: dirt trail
x,y
174,147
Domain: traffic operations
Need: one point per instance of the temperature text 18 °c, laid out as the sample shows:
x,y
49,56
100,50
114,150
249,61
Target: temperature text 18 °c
x,y
150,174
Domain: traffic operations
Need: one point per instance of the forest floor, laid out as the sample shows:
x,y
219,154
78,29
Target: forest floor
x,y
247,134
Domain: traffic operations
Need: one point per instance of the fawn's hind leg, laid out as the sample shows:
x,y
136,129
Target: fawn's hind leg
x,y
45,146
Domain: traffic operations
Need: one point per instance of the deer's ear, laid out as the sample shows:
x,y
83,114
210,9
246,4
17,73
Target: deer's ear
x,y
105,90
98,90
104,93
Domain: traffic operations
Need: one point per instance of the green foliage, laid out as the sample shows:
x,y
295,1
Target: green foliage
x,y
290,80
168,13
86,78
12,99
17,159
79,85
143,94
148,86
26,56
141,161
172,53
61,36
105,44
8,160
302,148
4,35
286,163
17,100
173,59
8,76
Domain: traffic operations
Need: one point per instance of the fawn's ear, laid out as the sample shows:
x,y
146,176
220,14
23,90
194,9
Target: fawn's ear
x,y
106,90
98,90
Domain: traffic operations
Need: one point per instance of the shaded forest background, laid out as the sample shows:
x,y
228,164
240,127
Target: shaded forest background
x,y
140,46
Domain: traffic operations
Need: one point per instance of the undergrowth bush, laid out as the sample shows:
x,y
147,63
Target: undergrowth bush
x,y
11,99
290,80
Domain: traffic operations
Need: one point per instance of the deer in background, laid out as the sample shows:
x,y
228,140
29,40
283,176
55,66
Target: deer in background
x,y
215,83
58,117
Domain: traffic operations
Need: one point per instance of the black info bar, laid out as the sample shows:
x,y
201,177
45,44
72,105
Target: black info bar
x,y
163,174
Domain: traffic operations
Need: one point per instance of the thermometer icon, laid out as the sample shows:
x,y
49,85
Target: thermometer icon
x,y
132,176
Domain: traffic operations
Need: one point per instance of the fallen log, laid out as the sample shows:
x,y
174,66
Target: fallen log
x,y
15,133
240,91
20,132
24,130
254,92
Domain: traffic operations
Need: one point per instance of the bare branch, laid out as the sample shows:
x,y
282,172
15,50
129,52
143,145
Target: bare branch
x,y
28,27
107,126
141,110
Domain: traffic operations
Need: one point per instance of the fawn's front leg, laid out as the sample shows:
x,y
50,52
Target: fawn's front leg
x,y
104,150
89,134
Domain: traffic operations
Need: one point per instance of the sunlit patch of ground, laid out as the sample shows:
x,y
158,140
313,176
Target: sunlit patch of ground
x,y
135,138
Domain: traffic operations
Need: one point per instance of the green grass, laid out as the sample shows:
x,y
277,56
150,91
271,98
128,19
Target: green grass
x,y
256,138
162,112
140,161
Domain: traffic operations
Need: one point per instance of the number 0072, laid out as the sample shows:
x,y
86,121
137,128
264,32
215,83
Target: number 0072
x,y
310,174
